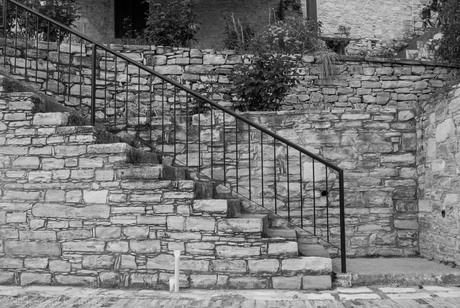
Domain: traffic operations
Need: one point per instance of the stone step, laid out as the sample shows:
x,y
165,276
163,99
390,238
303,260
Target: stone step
x,y
313,250
134,155
217,207
140,172
283,249
50,119
244,223
289,234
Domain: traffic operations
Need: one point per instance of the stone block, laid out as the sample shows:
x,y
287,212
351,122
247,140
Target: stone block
x,y
247,283
203,281
175,223
403,159
136,232
84,246
211,206
95,196
16,217
323,282
74,280
128,262
212,59
137,280
59,266
74,234
32,249
37,235
283,249
98,261
264,266
194,265
200,248
118,246
161,262
316,265
151,220
55,196
54,118
36,263
109,279
165,277
288,283
7,278
225,251
229,266
406,224
11,263
57,210
145,247
26,163
200,224
35,279
169,70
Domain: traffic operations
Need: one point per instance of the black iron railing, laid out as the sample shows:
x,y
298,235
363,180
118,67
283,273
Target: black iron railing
x,y
126,96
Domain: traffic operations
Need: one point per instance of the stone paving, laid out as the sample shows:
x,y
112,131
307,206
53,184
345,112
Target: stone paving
x,y
384,297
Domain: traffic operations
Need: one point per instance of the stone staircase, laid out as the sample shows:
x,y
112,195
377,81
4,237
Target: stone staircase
x,y
82,207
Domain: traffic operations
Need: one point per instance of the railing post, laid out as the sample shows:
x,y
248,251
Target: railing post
x,y
343,251
93,85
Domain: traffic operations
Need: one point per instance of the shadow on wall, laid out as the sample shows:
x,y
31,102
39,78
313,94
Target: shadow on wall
x,y
210,15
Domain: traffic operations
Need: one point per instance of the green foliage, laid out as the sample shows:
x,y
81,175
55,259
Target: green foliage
x,y
449,44
294,35
171,23
264,83
63,11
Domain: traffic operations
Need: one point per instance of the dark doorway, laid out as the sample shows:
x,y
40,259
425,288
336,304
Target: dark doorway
x,y
135,10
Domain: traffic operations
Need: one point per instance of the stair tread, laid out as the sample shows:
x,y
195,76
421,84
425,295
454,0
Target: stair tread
x,y
284,233
313,250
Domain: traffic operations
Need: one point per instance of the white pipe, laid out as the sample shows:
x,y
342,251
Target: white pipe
x,y
176,270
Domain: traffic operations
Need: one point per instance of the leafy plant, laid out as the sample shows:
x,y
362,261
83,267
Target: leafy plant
x,y
264,83
444,14
171,23
63,11
449,44
267,77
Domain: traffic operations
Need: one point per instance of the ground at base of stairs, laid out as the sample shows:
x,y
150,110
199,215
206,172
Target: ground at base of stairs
x,y
54,297
395,272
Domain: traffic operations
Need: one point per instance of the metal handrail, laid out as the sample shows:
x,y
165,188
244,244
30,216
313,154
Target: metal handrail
x,y
194,94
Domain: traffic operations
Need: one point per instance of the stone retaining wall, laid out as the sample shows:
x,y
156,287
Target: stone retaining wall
x,y
376,148
438,169
74,212
358,82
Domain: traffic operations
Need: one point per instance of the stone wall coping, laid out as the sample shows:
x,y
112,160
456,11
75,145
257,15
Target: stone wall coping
x,y
344,58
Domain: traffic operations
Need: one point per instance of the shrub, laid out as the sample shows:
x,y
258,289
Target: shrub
x,y
264,83
171,23
63,11
445,15
449,44
266,80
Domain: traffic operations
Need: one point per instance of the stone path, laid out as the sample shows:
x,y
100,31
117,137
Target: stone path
x,y
384,297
